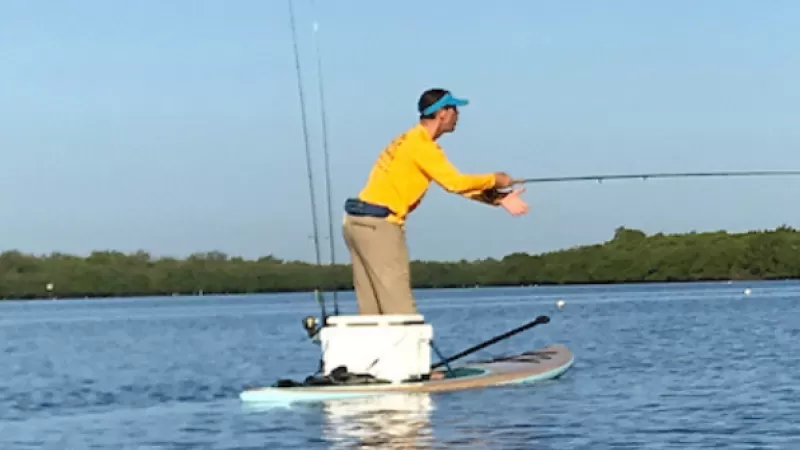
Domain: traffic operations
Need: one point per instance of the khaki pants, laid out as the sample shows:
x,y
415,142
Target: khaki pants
x,y
380,262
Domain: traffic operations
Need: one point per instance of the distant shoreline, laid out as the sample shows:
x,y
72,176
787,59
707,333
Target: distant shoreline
x,y
630,257
418,288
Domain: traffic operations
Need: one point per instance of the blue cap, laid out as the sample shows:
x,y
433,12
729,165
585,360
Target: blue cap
x,y
446,100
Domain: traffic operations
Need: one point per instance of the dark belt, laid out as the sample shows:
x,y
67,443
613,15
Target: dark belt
x,y
356,207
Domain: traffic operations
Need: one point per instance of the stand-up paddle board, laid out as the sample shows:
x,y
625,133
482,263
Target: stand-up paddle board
x,y
546,363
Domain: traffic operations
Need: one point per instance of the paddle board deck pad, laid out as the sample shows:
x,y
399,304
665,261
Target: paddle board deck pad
x,y
546,363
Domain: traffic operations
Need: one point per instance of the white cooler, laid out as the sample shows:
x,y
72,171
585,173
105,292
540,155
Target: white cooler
x,y
389,347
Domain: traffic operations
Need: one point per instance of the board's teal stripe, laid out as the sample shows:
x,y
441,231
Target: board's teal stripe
x,y
282,394
557,372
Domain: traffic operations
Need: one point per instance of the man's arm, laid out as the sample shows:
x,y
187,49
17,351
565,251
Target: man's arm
x,y
432,160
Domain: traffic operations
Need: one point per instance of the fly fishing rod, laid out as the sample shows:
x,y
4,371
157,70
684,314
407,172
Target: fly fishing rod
x,y
645,176
325,152
318,294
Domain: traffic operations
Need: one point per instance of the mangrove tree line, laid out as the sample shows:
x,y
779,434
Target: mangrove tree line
x,y
630,256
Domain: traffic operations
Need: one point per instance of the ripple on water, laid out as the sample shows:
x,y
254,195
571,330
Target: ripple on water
x,y
681,366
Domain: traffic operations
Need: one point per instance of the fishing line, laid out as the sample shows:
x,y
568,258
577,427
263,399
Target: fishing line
x,y
645,176
320,298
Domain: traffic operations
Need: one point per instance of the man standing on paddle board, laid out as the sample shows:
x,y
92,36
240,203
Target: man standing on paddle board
x,y
373,225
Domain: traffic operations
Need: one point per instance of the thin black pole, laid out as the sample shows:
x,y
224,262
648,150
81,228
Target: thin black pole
x,y
539,320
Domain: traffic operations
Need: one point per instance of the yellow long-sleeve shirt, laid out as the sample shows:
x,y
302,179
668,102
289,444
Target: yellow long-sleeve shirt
x,y
405,168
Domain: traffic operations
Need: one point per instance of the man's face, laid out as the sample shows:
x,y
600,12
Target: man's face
x,y
449,118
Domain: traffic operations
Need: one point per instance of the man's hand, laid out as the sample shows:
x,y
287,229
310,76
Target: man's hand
x,y
502,180
515,205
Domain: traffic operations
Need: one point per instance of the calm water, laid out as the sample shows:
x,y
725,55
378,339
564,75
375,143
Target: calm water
x,y
679,366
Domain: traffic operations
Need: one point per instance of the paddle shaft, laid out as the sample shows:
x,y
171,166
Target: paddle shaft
x,y
506,335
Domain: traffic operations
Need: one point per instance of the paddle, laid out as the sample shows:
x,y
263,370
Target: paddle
x,y
539,320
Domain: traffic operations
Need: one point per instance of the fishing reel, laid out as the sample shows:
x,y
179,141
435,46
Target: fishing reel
x,y
310,325
493,195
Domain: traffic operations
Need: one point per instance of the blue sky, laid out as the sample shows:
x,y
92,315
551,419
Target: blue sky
x,y
175,127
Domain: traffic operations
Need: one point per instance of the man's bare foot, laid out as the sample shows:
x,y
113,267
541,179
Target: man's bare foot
x,y
437,375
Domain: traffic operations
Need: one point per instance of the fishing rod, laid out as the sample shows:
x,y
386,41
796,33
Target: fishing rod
x,y
645,176
538,321
325,152
318,294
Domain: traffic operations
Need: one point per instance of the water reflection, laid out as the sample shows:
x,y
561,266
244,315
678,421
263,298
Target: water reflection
x,y
392,421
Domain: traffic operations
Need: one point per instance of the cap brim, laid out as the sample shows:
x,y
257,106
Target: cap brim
x,y
458,102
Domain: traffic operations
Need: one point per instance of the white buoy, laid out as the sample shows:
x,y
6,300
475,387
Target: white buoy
x,y
747,291
560,304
